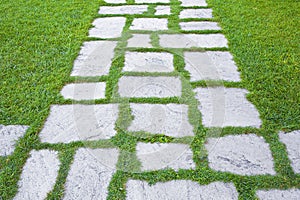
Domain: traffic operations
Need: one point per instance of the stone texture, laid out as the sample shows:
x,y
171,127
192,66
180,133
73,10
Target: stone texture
x,y
190,3
68,123
161,156
8,137
152,1
168,119
194,26
196,13
84,91
192,40
94,59
221,107
292,143
211,65
148,62
39,175
291,194
140,40
90,173
162,10
240,154
180,190
148,86
115,1
108,27
127,9
150,24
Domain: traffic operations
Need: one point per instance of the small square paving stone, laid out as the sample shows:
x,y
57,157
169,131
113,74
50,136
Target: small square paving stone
x,y
140,40
180,190
292,143
195,26
240,154
211,65
39,175
152,1
150,24
8,137
162,10
94,59
190,3
169,119
84,91
221,107
108,27
115,1
68,123
291,194
148,62
196,13
148,86
91,173
127,9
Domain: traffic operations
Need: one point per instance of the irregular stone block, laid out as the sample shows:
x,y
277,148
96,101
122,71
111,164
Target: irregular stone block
x,y
162,10
140,40
190,3
84,91
127,9
108,27
150,24
279,194
196,13
199,26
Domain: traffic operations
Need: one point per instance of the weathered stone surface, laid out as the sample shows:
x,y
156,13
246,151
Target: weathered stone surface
x,y
94,59
84,91
162,10
168,119
115,1
39,175
148,62
127,9
8,137
90,173
211,65
291,194
140,40
152,1
292,143
189,3
240,154
192,40
196,13
108,27
194,26
148,86
221,107
181,190
150,24
68,123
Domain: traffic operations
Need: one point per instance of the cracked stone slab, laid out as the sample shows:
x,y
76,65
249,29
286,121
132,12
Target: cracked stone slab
x,y
140,40
150,24
292,143
8,137
148,86
196,26
127,9
222,107
94,58
152,1
162,10
84,91
39,175
192,40
181,190
165,155
68,123
291,194
196,13
211,65
148,62
107,27
90,173
115,1
240,154
190,3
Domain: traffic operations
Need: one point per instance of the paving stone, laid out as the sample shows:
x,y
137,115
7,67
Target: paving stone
x,y
194,26
161,156
84,91
39,175
221,107
292,143
150,24
196,13
152,1
240,154
108,27
115,1
291,194
211,65
190,3
90,173
127,9
168,119
180,190
8,137
162,10
148,86
192,40
140,40
94,59
148,62
68,123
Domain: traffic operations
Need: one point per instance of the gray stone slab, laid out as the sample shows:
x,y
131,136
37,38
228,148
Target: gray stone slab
x,y
140,40
149,24
107,27
192,40
196,26
152,1
291,194
127,9
221,107
240,154
292,143
180,190
162,10
189,3
148,62
90,173
84,91
94,59
68,123
115,1
39,175
148,86
9,136
196,13
211,65
169,119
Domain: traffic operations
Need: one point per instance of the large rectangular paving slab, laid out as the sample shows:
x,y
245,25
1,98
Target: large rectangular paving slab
x,y
291,194
107,27
162,10
115,1
149,24
84,91
68,123
90,174
189,3
152,1
140,40
196,13
196,26
180,190
127,9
